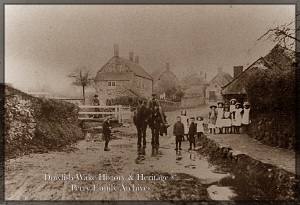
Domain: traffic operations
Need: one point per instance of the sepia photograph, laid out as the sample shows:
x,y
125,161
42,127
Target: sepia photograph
x,y
150,102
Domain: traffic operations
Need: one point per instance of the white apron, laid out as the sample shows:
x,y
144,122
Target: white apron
x,y
245,117
219,117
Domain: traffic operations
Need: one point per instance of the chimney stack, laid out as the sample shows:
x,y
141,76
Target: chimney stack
x,y
137,59
168,66
131,56
219,70
237,70
116,50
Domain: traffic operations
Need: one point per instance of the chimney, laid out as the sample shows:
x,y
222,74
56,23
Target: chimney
x,y
137,59
219,70
205,75
131,56
168,66
116,50
237,70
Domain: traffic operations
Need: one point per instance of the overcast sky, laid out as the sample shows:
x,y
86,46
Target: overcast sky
x,y
44,43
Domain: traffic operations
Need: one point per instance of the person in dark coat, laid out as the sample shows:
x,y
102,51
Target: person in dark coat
x,y
192,133
106,131
178,131
96,102
140,121
155,124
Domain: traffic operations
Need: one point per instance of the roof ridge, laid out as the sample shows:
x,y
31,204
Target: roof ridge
x,y
124,60
242,73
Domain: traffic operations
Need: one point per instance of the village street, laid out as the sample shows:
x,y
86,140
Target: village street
x,y
25,176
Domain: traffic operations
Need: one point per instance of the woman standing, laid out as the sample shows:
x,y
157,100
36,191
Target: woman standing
x,y
226,121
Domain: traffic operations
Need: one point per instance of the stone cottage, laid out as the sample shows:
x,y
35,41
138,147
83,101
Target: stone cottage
x,y
213,91
164,80
121,77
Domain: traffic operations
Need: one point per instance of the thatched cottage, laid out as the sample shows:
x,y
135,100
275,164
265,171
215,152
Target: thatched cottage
x,y
164,80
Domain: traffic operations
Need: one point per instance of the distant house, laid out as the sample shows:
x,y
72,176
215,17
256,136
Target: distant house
x,y
194,86
278,58
213,91
121,77
164,80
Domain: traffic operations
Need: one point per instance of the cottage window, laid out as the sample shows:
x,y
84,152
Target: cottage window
x,y
111,83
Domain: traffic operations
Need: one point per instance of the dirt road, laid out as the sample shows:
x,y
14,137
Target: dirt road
x,y
86,172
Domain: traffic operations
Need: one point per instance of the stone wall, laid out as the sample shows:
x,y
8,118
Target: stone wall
x,y
37,125
192,102
169,105
270,182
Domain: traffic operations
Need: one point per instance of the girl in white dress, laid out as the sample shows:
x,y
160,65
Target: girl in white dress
x,y
226,120
200,126
212,117
220,111
246,117
237,118
185,121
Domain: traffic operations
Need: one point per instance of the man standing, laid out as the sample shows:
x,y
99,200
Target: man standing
x,y
140,121
155,124
96,102
106,130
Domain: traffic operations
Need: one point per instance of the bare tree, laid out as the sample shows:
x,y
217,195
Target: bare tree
x,y
82,78
286,34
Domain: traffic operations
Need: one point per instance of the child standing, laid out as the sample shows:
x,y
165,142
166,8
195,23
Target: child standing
x,y
237,118
226,120
212,117
178,131
246,117
185,121
200,126
231,110
192,133
220,111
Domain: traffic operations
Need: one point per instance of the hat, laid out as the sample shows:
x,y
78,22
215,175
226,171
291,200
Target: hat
x,y
153,94
96,95
233,100
192,118
226,105
213,106
237,103
220,103
199,118
246,104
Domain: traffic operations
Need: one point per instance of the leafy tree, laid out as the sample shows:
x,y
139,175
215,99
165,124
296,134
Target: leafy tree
x,y
82,77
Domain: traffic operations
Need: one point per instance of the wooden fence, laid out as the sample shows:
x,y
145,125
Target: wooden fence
x,y
98,113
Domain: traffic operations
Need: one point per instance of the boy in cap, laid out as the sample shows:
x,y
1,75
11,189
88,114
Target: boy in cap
x,y
178,131
192,133
106,127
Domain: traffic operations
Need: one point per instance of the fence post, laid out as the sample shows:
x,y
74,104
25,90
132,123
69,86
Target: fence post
x,y
120,114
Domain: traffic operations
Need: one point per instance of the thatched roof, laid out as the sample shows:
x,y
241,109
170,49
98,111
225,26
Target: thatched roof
x,y
222,78
278,58
163,80
193,79
238,84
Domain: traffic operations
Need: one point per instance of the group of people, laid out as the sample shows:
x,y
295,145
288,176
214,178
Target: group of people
x,y
229,118
224,118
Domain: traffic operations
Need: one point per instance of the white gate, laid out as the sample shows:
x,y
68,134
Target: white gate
x,y
119,112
